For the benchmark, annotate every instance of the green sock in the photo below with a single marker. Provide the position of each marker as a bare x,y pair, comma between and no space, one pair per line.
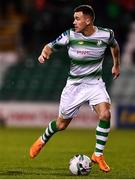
50,130
102,132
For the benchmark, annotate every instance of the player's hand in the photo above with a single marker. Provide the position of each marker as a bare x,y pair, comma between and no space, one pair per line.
115,72
45,55
41,59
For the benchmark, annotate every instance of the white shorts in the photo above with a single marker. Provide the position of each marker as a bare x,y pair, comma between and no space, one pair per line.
74,95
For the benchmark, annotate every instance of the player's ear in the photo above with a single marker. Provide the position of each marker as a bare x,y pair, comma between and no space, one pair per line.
88,20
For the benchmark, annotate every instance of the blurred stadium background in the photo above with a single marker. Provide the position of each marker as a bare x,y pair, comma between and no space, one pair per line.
29,91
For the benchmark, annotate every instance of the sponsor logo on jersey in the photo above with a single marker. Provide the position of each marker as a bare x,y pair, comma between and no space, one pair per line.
80,42
83,52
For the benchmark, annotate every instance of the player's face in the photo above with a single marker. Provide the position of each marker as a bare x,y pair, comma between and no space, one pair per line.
81,22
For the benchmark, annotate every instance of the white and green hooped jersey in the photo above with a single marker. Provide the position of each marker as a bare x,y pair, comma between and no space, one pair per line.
86,53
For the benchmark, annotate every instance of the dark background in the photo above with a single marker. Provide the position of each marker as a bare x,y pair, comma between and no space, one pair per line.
27,25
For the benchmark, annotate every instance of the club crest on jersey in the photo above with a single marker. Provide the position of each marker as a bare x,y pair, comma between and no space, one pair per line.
99,43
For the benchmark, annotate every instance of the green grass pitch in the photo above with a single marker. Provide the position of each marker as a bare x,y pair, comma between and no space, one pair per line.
53,161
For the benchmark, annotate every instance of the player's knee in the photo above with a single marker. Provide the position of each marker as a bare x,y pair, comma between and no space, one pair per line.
105,115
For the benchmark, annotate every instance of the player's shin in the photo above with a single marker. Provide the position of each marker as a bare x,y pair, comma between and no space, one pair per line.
50,130
41,141
102,132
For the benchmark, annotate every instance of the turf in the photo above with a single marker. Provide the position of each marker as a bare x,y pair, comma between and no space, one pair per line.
52,162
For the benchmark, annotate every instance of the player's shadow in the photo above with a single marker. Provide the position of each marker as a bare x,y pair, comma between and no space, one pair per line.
40,171
54,171
11,173
59,172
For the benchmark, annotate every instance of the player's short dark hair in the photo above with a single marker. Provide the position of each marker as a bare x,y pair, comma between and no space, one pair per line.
86,9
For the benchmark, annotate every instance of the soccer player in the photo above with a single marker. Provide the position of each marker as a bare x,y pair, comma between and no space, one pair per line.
86,45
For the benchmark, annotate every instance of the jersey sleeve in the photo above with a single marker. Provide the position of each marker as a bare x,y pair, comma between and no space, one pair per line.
112,41
61,41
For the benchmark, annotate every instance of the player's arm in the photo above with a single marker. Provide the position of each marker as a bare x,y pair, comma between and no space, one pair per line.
48,49
115,51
